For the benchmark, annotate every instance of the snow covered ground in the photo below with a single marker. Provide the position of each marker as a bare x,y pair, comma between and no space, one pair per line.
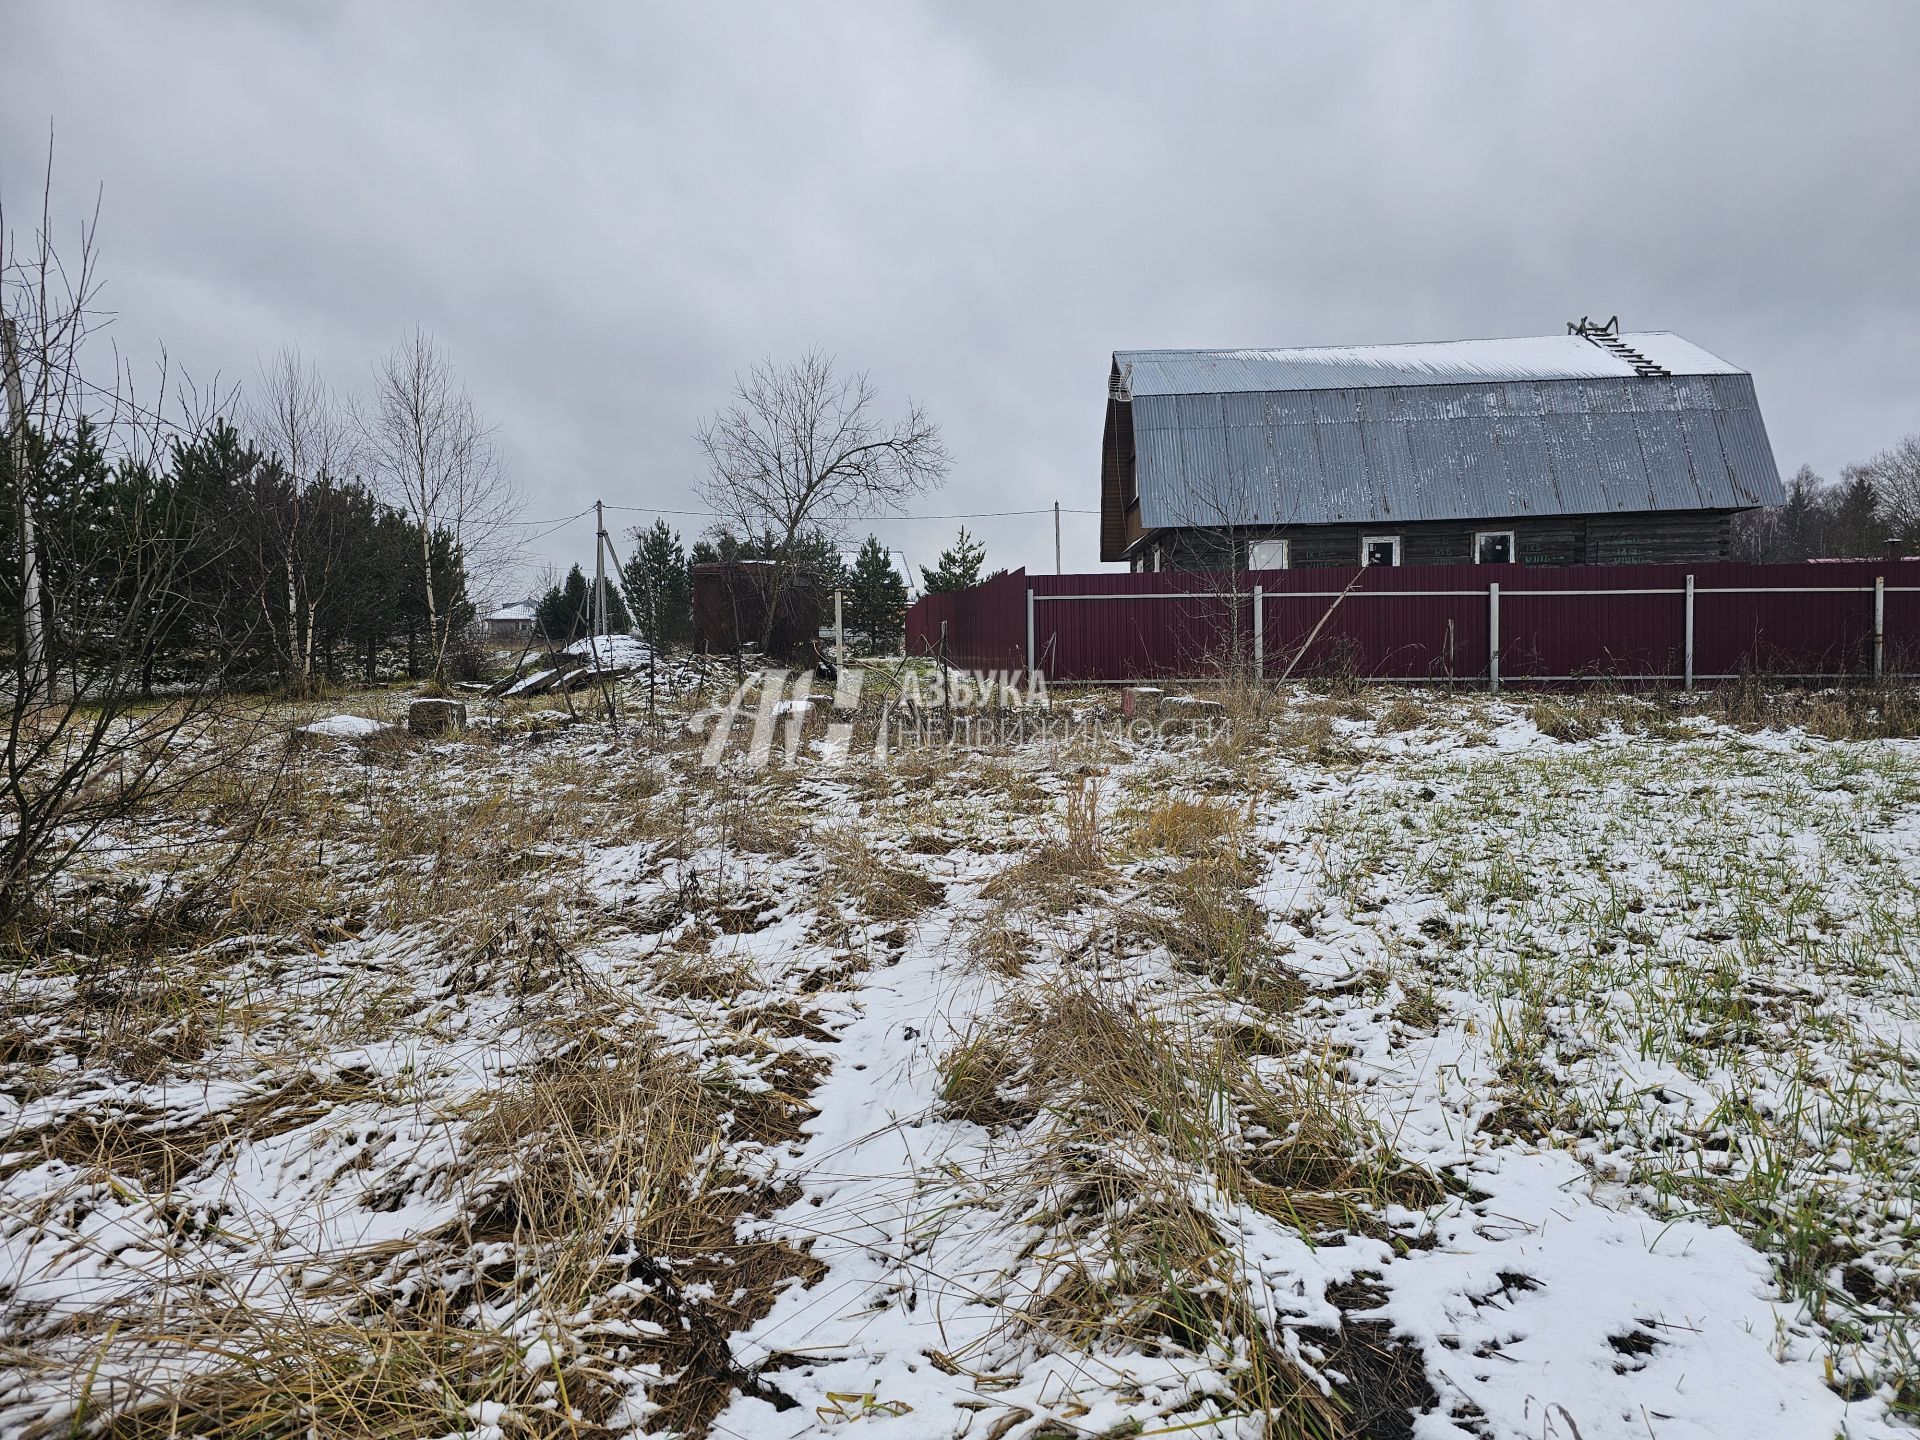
1387,1066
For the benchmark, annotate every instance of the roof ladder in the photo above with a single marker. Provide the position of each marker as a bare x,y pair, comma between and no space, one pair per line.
1607,337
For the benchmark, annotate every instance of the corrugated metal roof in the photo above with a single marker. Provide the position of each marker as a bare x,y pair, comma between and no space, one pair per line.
1399,449
1451,362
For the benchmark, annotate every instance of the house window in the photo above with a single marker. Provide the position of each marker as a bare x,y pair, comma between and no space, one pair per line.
1379,549
1493,547
1267,555
1156,559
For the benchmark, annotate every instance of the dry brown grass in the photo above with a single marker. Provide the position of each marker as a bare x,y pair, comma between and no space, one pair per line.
1002,940
1206,920
1111,1070
1011,786
384,1373
1127,1117
1565,718
1057,872
156,1151
692,974
1175,824
1403,712
1307,733
1887,710
596,1129
1574,715
610,1158
884,891
603,1172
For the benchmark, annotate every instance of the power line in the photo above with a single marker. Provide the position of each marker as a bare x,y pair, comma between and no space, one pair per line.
868,519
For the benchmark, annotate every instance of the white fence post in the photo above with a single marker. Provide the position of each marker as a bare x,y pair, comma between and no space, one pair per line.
1879,626
1493,637
1689,632
1029,637
1259,634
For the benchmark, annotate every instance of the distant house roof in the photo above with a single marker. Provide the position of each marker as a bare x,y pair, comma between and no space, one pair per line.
518,610
1541,425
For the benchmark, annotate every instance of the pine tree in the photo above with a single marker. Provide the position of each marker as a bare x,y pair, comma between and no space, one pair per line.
1855,527
1802,520
657,586
958,567
562,613
565,612
877,598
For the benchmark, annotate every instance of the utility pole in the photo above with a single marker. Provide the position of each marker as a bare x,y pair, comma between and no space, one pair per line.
32,648
1056,537
599,574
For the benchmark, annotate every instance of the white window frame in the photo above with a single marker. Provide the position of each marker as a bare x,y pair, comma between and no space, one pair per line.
1286,554
1157,559
1367,542
1513,547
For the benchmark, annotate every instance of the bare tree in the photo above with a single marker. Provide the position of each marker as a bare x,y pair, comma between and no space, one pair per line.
1895,477
435,460
86,754
802,449
295,420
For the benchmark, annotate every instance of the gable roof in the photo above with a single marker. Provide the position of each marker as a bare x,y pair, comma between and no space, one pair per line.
1443,362
1383,434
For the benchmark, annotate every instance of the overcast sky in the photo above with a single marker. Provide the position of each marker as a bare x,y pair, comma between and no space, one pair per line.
607,211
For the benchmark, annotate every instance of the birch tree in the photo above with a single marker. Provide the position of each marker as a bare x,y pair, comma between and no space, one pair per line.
434,459
295,420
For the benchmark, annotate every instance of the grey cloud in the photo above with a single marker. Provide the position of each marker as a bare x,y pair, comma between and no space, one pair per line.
605,212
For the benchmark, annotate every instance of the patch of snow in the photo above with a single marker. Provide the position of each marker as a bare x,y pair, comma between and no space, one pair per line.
613,652
346,727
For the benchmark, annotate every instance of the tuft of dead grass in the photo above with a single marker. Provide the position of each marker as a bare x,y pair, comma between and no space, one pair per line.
1175,824
386,1373
1402,713
1206,920
1128,1119
610,1164
1056,873
1114,1073
702,975
1308,733
884,891
1002,940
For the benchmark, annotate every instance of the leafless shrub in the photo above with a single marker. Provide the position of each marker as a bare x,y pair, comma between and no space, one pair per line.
88,604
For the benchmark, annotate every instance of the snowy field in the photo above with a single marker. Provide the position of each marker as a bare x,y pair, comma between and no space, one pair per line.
1380,1065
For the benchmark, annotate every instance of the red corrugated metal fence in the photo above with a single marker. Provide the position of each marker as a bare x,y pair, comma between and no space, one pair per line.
1437,622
